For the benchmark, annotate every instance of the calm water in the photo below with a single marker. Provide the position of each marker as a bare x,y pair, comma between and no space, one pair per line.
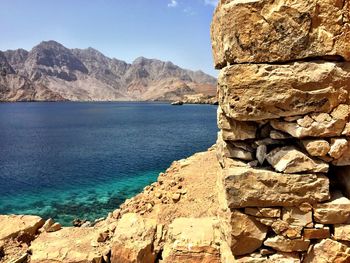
82,160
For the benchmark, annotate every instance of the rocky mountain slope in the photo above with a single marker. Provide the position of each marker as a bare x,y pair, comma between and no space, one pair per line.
52,72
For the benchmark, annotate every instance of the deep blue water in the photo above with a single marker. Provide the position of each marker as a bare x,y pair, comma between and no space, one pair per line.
82,160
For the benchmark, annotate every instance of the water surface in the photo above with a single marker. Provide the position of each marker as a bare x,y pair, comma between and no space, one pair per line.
82,160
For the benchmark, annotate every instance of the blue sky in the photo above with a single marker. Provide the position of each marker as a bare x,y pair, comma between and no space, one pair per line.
175,30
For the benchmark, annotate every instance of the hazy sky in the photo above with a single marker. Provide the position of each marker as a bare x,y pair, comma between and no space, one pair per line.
175,30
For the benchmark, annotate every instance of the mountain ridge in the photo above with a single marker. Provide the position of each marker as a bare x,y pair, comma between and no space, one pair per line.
54,72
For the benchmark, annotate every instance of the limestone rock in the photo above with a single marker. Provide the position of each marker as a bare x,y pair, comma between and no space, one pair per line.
192,240
227,150
278,135
296,217
266,31
288,159
316,233
252,92
287,245
133,240
313,125
261,153
328,251
13,225
285,229
69,245
247,187
233,130
338,147
342,232
344,159
283,257
247,234
263,212
336,211
316,147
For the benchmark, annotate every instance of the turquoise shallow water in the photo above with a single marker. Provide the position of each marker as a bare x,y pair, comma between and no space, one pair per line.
82,160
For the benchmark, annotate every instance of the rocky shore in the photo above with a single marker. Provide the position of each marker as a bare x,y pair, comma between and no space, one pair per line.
274,188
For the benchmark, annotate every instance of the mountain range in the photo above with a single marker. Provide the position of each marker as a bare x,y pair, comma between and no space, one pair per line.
52,72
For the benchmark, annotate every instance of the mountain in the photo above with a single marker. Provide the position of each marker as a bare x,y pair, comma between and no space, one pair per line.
52,72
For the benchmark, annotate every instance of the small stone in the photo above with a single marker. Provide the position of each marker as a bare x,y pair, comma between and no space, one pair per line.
158,195
86,224
346,130
316,147
175,197
282,228
48,223
116,214
338,147
267,251
261,153
316,233
294,216
342,232
102,237
287,245
283,257
54,227
278,135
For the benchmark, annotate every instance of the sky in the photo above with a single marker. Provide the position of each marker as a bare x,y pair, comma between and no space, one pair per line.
170,30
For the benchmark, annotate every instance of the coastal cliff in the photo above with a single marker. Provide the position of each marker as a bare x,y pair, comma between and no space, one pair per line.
274,188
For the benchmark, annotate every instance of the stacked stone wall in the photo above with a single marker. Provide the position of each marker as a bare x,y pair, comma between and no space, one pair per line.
284,140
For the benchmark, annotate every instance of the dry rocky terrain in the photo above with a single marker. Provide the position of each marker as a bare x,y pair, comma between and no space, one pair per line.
52,72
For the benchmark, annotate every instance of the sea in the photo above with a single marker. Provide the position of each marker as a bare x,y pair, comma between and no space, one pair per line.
68,160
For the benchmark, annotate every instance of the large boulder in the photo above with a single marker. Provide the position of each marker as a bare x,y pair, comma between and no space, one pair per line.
68,245
133,240
193,240
328,251
13,225
247,233
251,92
247,187
277,31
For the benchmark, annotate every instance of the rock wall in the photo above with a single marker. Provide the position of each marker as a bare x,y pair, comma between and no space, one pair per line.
283,116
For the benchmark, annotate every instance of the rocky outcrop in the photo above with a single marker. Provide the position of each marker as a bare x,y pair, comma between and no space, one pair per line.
54,72
283,115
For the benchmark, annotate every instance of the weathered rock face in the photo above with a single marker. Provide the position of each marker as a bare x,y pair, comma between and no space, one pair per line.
278,31
250,92
247,233
247,187
284,140
133,240
193,240
328,250
67,245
